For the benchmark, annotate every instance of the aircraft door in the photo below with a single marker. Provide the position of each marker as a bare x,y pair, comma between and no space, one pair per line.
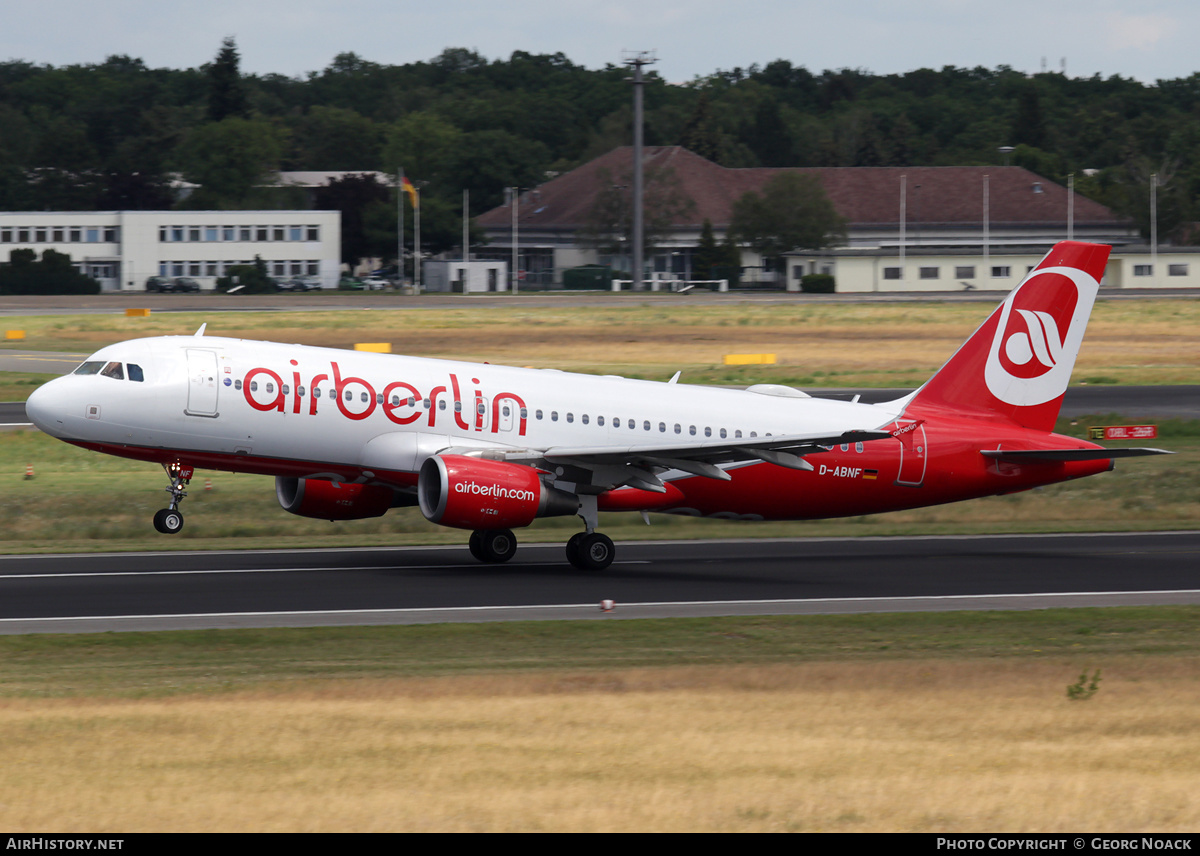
914,448
203,383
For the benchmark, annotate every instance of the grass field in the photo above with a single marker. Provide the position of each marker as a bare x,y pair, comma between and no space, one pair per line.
819,345
947,722
928,723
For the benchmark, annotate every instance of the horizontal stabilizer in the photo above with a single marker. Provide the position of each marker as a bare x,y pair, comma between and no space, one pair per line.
1069,454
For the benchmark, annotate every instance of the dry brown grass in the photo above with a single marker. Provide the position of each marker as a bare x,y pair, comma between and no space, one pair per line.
984,745
869,344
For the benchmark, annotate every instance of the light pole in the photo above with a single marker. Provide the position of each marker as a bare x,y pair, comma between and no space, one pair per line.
637,59
514,195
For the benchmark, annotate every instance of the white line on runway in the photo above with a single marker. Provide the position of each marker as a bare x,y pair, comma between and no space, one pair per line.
627,610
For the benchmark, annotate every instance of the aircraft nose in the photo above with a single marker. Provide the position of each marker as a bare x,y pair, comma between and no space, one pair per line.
46,408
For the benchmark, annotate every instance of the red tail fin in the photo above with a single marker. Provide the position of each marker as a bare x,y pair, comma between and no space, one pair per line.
1018,364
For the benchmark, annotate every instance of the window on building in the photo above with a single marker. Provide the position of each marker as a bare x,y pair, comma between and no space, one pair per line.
1177,270
295,233
93,236
278,232
314,233
964,272
228,233
262,233
39,236
58,235
6,236
110,235
1001,272
1143,270
244,233
210,233
22,236
194,234
930,272
891,273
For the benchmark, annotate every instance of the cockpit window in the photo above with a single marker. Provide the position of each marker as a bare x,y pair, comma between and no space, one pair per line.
114,370
135,372
91,367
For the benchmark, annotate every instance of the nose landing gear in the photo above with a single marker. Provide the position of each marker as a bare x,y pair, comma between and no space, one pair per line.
169,520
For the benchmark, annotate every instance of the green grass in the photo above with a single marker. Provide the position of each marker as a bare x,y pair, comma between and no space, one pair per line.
16,386
136,665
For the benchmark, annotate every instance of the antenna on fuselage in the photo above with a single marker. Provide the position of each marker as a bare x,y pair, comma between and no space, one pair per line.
200,332
675,376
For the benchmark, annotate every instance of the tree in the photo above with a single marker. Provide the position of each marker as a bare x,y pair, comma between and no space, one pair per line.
708,253
700,134
609,224
354,196
336,138
226,92
54,274
791,213
228,159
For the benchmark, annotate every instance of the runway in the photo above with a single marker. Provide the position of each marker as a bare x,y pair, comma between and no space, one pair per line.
417,585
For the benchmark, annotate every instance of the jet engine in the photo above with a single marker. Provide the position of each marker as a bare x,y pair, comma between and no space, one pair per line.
327,500
472,493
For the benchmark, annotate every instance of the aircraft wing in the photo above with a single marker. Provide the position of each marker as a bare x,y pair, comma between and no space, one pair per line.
641,465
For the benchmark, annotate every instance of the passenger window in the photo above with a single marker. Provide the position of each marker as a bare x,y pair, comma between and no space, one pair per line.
135,372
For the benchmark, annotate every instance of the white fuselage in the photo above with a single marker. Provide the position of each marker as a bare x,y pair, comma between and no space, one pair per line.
321,407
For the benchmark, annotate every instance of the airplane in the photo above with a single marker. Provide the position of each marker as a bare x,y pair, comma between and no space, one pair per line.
489,448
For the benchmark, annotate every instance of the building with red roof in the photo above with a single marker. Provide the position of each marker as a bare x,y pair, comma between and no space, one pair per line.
896,212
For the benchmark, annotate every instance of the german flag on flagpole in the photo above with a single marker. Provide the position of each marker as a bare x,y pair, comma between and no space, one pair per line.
407,187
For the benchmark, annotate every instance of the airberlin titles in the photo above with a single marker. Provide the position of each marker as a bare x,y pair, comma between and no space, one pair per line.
401,402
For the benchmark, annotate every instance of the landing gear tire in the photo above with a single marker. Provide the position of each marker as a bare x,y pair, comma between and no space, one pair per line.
591,551
168,521
493,546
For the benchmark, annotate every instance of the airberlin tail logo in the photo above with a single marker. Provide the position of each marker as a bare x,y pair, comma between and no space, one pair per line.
1041,326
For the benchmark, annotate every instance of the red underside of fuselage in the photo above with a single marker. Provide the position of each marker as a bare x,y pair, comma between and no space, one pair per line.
935,465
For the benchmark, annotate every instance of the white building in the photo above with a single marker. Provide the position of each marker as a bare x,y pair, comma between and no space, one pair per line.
883,270
122,249
465,277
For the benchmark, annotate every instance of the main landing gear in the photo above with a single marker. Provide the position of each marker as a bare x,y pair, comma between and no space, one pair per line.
169,520
493,546
588,550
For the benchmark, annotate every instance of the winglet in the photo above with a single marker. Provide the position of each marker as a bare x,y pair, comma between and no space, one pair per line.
200,332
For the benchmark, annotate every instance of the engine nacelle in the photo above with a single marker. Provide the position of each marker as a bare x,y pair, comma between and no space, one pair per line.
327,500
473,493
